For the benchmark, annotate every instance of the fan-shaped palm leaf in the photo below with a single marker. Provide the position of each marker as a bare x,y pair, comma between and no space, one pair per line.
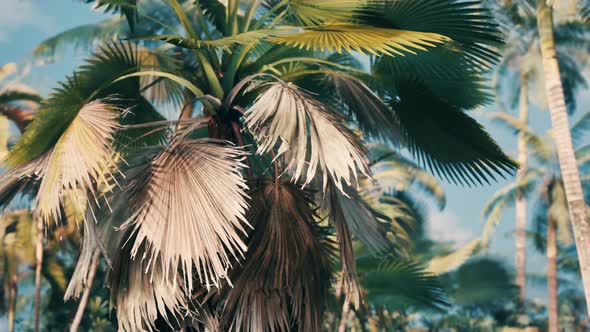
396,284
284,282
374,117
280,115
314,12
360,38
143,293
180,233
128,8
81,157
245,38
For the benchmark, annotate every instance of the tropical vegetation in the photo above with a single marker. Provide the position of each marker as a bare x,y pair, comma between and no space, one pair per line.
270,165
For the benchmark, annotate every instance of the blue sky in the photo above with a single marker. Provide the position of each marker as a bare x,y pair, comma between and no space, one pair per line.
25,23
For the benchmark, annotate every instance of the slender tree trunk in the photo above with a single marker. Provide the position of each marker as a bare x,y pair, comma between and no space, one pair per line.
552,306
13,291
344,317
521,202
38,268
84,299
563,142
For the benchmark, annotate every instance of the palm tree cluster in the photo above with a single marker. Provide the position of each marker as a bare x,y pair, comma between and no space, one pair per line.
245,165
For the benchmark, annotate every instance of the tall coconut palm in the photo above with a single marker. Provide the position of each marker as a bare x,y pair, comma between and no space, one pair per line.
521,70
544,183
567,159
17,103
251,142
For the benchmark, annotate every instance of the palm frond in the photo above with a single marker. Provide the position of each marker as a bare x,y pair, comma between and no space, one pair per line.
280,116
128,8
581,127
374,117
225,43
84,37
143,293
469,25
314,12
349,37
81,157
179,233
6,70
447,263
480,282
365,223
393,171
284,282
397,284
506,197
468,155
11,93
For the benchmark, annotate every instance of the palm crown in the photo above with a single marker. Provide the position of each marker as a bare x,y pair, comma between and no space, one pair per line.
270,103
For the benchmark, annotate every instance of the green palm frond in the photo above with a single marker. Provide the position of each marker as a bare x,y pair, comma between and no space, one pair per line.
506,197
363,222
349,37
284,282
96,79
447,263
374,117
84,37
467,156
481,282
315,12
397,284
581,127
18,93
215,12
467,23
245,38
393,171
128,8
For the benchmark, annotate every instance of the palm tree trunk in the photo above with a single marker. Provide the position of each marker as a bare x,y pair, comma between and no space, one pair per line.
521,202
563,142
13,291
38,267
84,299
552,307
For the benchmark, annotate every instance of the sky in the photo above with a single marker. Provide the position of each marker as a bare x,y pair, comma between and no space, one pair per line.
25,23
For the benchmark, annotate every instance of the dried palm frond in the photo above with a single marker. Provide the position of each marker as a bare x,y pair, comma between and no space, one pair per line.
284,282
145,293
188,210
281,114
349,276
81,158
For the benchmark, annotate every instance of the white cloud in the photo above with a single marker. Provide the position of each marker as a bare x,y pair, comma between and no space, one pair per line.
446,226
15,14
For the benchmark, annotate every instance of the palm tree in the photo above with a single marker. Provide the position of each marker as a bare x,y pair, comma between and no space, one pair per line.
17,103
544,183
174,204
567,159
521,70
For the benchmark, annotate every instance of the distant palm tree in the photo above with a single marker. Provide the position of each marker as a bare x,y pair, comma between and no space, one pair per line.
268,106
567,159
544,183
520,73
